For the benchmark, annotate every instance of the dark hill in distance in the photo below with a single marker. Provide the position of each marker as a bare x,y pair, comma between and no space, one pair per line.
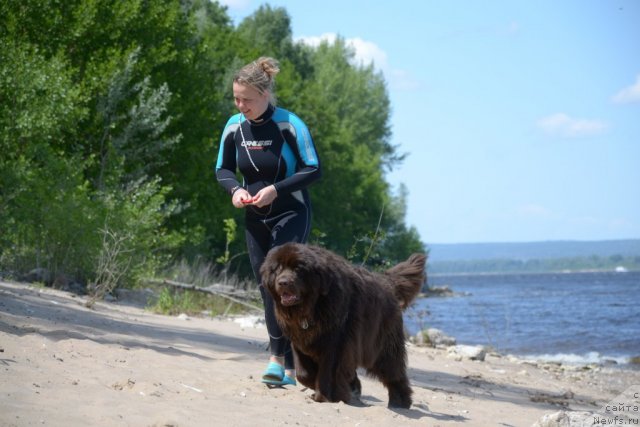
532,250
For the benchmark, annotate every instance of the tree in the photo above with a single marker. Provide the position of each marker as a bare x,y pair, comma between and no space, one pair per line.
110,121
59,87
268,32
43,199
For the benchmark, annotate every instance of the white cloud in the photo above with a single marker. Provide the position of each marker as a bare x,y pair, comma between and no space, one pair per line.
584,221
560,124
366,53
533,210
403,80
316,40
513,28
235,4
628,94
620,224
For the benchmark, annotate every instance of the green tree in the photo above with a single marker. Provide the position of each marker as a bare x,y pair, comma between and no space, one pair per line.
268,32
75,159
44,201
201,85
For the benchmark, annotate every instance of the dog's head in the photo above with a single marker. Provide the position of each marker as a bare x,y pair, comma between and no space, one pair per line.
294,275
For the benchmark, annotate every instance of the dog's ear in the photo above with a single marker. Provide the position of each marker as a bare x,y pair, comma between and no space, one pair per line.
322,276
314,270
324,283
268,272
315,278
325,287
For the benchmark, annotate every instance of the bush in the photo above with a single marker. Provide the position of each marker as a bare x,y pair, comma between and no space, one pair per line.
49,221
178,301
134,243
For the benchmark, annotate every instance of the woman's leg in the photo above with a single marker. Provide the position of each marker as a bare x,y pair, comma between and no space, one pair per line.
263,235
258,237
291,227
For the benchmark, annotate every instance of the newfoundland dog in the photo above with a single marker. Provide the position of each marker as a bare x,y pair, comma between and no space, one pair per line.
340,317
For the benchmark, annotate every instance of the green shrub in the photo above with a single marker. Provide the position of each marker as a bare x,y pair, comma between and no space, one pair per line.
178,301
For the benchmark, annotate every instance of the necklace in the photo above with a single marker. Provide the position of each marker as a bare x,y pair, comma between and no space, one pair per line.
244,143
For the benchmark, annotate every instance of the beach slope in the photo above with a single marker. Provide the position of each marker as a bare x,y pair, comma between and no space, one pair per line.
119,365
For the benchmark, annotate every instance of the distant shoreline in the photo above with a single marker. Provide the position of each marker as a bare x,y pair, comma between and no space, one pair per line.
447,252
535,257
516,273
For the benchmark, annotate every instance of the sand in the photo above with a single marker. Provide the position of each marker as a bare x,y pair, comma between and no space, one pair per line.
62,364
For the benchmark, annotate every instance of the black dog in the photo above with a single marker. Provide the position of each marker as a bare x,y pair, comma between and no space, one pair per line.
340,317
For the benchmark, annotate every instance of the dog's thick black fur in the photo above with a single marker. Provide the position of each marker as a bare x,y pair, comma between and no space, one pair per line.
340,317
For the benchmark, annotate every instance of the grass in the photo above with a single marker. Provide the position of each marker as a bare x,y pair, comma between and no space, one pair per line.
177,301
174,301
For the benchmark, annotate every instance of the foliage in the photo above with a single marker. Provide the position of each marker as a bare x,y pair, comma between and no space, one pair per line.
44,201
174,302
137,214
110,120
113,263
230,227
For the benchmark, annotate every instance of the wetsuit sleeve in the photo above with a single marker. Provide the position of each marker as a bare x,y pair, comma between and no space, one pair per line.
226,164
308,169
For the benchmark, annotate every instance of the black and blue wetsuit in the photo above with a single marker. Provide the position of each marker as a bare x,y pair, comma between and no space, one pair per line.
275,149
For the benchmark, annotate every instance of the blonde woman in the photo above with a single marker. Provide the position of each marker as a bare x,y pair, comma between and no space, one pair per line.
273,150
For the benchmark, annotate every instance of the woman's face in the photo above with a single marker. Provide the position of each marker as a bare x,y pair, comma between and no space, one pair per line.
249,101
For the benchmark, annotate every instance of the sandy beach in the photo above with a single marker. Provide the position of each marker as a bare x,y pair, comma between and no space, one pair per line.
62,364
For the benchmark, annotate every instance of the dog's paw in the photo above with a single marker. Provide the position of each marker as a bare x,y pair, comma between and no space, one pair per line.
319,397
356,388
400,402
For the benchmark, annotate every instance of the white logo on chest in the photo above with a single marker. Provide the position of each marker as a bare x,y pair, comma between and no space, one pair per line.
256,145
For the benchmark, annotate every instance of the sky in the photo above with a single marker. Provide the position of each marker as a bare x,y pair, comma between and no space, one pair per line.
521,119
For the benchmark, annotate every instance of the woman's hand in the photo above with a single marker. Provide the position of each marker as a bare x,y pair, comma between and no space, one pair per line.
241,198
265,197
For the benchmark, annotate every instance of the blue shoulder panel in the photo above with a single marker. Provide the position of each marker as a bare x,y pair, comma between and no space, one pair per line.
231,126
303,138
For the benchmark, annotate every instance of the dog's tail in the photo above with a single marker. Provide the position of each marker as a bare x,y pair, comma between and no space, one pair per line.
408,278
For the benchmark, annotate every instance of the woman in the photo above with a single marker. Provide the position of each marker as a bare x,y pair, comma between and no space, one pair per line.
274,151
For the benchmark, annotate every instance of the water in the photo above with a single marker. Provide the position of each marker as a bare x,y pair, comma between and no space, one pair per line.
573,317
